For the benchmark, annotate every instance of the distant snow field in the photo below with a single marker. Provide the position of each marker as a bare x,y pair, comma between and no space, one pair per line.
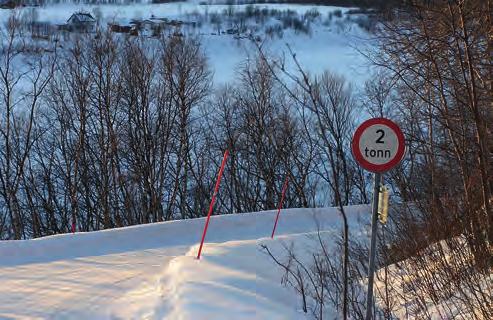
331,43
151,271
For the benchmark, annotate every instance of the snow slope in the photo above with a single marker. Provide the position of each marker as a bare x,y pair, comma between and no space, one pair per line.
333,47
150,271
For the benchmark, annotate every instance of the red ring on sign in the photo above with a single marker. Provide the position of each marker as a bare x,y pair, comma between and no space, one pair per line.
378,168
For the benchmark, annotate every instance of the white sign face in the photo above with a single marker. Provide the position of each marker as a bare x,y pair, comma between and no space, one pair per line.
378,144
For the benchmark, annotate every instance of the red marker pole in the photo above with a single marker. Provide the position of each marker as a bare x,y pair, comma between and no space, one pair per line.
284,188
73,225
216,188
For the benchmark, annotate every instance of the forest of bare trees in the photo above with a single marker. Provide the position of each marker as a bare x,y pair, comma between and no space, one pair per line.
113,132
438,58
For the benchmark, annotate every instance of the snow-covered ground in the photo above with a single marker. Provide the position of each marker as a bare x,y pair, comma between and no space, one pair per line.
59,13
151,271
330,45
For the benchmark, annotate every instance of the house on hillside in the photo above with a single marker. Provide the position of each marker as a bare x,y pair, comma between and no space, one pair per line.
81,22
150,27
116,28
43,30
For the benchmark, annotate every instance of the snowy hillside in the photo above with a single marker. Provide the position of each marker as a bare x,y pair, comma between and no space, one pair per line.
151,271
322,37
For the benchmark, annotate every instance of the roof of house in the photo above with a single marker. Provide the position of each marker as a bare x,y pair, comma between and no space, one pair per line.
81,17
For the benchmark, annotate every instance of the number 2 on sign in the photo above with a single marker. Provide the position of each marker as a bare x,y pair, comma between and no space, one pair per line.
382,134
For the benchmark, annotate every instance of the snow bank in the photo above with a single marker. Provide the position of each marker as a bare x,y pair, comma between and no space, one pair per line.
150,271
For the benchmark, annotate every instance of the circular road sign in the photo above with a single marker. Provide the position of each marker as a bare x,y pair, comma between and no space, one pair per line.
378,145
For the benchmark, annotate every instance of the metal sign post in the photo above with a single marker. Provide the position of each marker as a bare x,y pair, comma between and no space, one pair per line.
373,244
378,146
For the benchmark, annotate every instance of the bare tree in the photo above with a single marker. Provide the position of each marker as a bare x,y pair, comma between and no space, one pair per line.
20,89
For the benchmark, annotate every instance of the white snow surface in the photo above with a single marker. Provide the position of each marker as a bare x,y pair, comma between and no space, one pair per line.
151,271
335,47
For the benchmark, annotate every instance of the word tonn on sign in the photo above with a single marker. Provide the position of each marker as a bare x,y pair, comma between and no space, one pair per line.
377,153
